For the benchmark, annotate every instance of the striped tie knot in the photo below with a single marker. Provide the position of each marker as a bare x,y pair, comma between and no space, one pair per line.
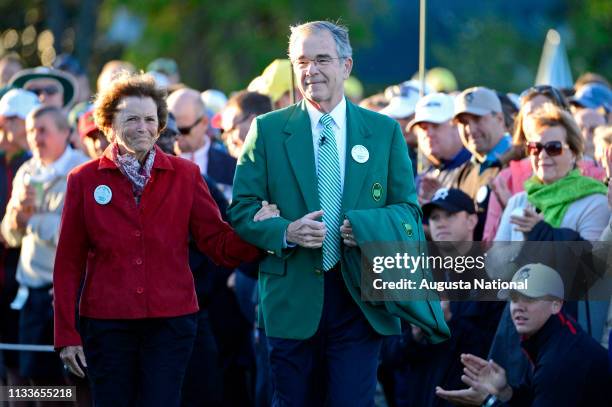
326,121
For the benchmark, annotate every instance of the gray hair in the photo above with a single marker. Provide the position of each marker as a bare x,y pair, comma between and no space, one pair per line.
339,33
59,117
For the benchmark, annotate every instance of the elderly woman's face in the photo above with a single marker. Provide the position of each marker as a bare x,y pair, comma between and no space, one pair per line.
551,157
135,125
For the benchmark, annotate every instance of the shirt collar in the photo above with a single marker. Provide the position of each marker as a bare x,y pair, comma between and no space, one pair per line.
500,148
338,113
61,166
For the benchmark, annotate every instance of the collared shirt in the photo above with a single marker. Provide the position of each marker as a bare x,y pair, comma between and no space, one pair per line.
61,166
492,157
200,156
339,126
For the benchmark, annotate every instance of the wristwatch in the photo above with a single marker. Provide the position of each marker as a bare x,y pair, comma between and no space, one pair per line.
491,401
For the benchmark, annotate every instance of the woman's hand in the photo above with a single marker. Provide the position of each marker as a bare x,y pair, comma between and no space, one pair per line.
526,222
267,211
69,356
501,190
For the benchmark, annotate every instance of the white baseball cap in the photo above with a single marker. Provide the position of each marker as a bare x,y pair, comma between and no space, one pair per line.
18,102
434,108
540,281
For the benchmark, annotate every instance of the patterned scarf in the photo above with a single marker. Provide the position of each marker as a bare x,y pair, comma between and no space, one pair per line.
130,167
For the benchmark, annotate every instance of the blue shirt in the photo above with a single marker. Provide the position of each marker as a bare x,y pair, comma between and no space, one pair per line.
492,158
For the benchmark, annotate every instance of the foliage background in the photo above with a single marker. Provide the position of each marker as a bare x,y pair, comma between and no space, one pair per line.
225,44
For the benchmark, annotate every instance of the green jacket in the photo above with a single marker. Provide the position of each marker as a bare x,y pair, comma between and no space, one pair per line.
277,165
387,232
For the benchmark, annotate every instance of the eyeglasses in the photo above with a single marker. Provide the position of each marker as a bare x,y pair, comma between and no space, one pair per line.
186,130
303,63
47,90
546,90
237,123
552,148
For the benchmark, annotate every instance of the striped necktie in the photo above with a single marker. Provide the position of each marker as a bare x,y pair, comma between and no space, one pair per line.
330,194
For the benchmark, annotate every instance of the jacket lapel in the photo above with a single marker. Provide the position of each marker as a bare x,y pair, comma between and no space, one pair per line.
301,155
357,133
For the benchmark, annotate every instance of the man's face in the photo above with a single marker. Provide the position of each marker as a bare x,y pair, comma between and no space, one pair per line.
320,82
135,124
49,91
46,141
14,130
529,314
95,143
588,120
235,126
438,140
192,124
480,134
451,227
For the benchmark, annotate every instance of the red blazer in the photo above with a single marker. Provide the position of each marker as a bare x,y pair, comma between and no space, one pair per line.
134,259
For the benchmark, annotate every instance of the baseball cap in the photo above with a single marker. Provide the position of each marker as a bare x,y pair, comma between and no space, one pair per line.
87,124
593,96
18,102
478,100
65,79
214,100
167,66
540,281
402,103
451,200
434,108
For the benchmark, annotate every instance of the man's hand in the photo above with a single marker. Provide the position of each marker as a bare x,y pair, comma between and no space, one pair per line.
484,376
346,231
468,397
267,211
427,188
307,231
25,208
69,356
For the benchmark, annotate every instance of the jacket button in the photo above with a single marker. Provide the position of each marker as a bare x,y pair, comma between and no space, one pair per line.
318,271
139,261
137,233
140,290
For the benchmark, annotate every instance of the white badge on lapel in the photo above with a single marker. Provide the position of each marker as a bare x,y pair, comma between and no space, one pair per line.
360,153
103,194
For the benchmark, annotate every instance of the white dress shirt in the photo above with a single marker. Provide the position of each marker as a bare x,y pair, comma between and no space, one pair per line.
200,156
339,128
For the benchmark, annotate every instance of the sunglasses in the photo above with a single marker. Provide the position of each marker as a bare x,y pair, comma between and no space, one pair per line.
186,130
552,148
550,92
47,90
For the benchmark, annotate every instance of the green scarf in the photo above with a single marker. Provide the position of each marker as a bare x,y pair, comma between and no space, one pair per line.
555,199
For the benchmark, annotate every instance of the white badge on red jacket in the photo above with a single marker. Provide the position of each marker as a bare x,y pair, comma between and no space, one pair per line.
360,153
103,194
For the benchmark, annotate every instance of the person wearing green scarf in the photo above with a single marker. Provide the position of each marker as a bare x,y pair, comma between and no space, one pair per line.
558,203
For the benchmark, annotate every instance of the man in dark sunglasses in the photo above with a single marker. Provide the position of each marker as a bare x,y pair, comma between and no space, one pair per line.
194,144
53,87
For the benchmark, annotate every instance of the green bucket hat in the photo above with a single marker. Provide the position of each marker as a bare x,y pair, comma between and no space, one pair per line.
65,79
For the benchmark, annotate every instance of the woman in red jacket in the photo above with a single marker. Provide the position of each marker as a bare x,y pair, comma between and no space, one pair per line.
124,235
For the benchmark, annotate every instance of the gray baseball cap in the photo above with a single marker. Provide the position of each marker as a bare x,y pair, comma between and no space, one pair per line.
539,281
478,101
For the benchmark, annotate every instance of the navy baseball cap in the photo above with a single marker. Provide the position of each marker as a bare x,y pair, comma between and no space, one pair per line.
593,96
451,200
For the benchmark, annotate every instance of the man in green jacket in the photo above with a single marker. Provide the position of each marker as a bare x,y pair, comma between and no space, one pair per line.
316,160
